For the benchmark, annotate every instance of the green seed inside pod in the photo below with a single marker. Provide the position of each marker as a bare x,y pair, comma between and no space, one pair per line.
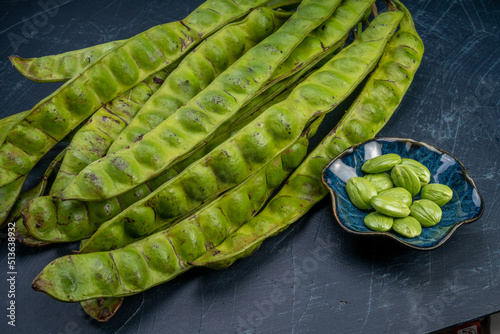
408,227
381,163
426,212
390,206
360,192
422,172
381,181
438,193
399,193
404,176
378,222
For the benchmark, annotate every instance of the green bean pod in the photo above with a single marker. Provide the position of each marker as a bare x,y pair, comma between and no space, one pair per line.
9,193
324,39
22,234
93,139
252,147
7,123
212,57
102,309
114,73
162,256
61,67
109,123
196,121
372,109
53,220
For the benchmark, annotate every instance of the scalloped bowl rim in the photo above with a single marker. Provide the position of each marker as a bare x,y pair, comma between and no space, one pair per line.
392,236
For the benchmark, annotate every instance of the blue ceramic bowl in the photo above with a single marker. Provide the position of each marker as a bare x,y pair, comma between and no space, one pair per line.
466,205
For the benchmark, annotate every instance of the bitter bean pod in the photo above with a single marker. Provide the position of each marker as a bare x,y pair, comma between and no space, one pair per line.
199,69
61,67
162,256
252,147
319,43
196,121
54,220
371,110
114,73
111,121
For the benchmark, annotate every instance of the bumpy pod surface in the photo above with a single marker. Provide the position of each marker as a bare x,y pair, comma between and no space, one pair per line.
53,220
94,138
114,73
113,120
319,43
251,147
63,66
102,309
9,192
199,118
373,107
164,255
212,57
22,234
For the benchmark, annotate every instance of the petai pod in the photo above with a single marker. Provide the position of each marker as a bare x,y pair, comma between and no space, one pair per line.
54,220
196,121
22,234
102,309
319,43
111,121
9,192
374,106
7,123
93,139
198,69
115,72
164,255
60,67
251,147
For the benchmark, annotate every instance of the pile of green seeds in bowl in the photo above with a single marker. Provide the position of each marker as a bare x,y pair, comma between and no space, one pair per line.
389,186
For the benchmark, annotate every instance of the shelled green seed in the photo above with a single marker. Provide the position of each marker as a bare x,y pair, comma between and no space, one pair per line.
399,193
404,176
408,227
382,163
390,206
378,222
381,181
422,172
360,192
438,193
426,212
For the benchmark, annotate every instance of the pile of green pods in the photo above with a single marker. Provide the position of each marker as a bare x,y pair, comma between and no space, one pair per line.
180,137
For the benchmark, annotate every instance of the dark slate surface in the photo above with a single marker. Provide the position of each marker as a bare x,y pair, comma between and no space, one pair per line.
313,277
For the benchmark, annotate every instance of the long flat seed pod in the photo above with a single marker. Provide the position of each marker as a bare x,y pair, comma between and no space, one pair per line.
7,123
22,235
62,221
199,69
372,109
250,148
63,66
163,256
114,73
102,309
330,35
199,118
109,122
